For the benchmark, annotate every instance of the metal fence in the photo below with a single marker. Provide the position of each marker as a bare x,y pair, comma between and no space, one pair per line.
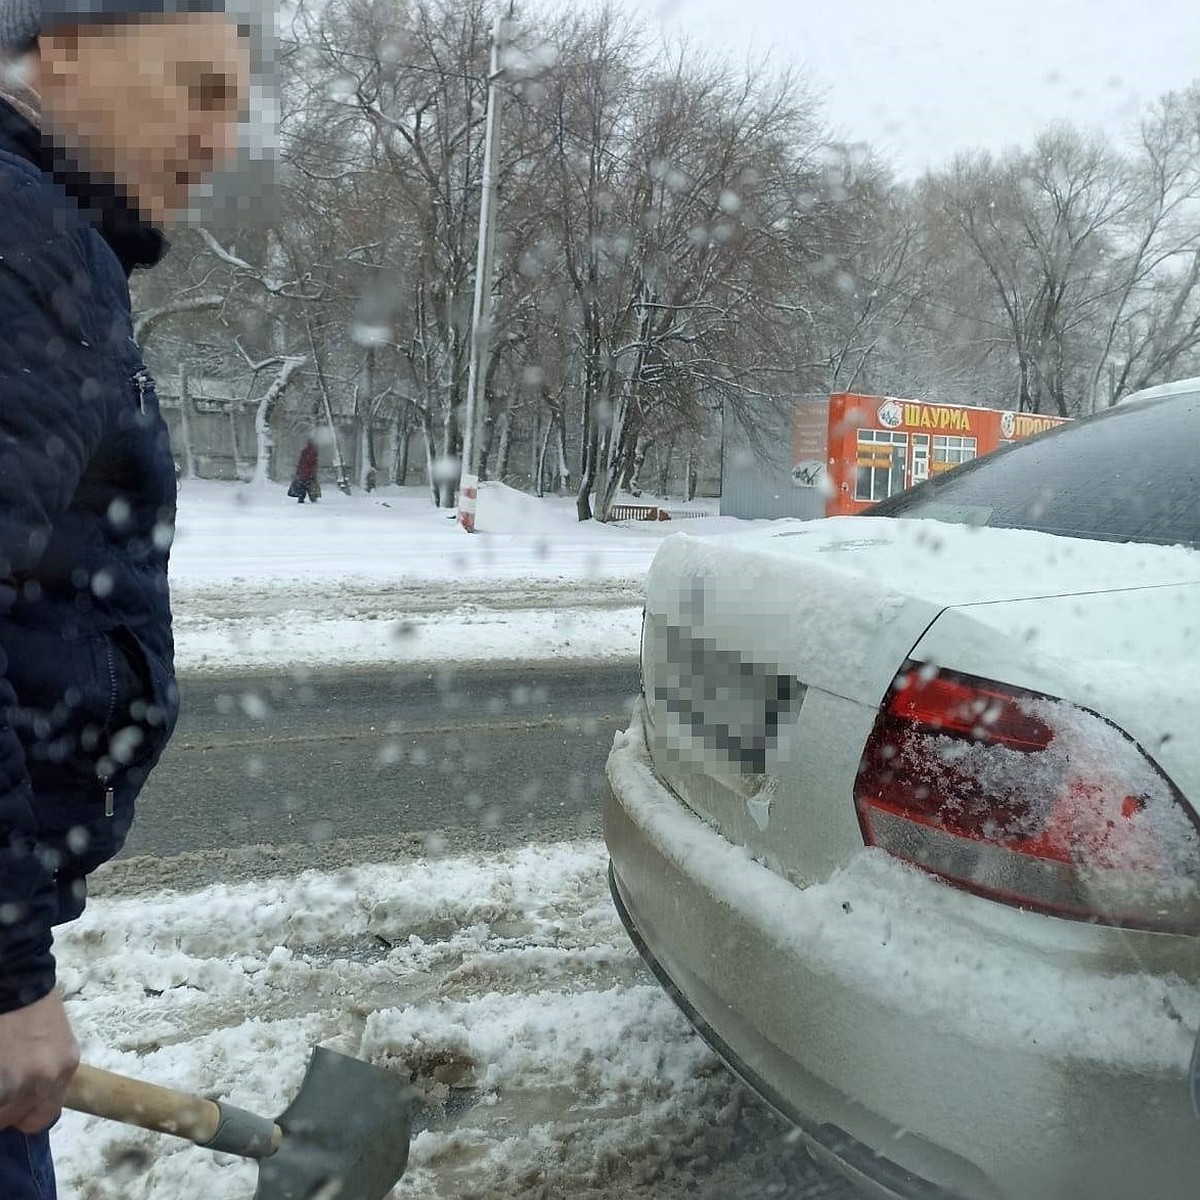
649,512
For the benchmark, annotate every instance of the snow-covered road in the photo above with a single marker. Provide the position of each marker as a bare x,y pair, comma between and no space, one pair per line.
260,583
552,1064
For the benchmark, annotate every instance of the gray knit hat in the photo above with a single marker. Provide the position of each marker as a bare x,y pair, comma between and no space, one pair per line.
22,20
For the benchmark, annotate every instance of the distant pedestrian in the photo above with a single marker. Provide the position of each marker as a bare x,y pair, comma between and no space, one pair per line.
306,485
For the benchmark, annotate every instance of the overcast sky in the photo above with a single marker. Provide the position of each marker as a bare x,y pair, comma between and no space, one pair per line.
923,79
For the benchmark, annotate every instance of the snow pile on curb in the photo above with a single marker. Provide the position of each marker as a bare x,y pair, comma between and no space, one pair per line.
299,638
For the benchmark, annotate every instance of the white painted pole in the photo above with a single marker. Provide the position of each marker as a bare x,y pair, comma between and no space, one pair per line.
481,313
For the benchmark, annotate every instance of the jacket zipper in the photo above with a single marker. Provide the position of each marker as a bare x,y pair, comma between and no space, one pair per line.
141,381
105,780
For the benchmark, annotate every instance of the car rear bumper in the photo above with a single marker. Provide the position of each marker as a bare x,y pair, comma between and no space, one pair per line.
875,1175
911,1107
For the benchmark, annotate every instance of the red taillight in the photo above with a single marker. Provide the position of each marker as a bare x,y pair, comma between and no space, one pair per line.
950,704
1028,800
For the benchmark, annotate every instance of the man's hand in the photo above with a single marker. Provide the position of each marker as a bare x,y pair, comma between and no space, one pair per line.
38,1057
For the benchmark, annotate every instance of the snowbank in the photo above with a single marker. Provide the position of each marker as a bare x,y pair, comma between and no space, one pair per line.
303,637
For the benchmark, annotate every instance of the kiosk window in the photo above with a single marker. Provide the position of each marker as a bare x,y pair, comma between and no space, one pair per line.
881,457
950,451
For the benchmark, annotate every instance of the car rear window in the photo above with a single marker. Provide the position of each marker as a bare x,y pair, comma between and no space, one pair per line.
1131,474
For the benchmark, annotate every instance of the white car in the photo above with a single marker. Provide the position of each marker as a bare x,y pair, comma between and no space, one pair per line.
907,819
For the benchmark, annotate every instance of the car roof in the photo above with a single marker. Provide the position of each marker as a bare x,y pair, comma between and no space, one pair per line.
1181,387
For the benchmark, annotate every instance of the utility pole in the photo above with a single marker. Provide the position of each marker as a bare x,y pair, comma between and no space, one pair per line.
482,310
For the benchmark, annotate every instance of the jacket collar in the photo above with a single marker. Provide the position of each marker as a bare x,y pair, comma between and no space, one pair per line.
135,242
16,90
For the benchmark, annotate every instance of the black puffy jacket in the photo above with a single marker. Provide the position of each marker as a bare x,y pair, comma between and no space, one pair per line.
87,512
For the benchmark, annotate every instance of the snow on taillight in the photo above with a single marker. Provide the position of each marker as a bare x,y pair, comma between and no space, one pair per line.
1029,800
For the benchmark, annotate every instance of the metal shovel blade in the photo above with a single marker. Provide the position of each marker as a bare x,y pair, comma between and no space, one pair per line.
345,1135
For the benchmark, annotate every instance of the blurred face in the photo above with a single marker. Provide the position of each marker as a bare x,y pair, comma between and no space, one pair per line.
153,103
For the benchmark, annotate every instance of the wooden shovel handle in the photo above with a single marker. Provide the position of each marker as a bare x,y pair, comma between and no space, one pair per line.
146,1105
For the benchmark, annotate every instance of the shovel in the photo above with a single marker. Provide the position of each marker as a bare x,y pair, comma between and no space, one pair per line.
344,1137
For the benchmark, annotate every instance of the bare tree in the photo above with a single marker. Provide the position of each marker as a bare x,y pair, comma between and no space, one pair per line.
671,194
1093,255
401,89
1152,318
1043,224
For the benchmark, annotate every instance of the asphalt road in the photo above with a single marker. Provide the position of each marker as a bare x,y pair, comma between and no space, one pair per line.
307,759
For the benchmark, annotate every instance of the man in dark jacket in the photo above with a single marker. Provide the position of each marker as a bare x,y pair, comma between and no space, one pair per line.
110,110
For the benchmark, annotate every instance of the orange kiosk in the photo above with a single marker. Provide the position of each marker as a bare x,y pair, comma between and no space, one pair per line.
877,446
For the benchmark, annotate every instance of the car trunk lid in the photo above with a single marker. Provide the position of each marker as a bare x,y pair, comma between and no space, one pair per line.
766,655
